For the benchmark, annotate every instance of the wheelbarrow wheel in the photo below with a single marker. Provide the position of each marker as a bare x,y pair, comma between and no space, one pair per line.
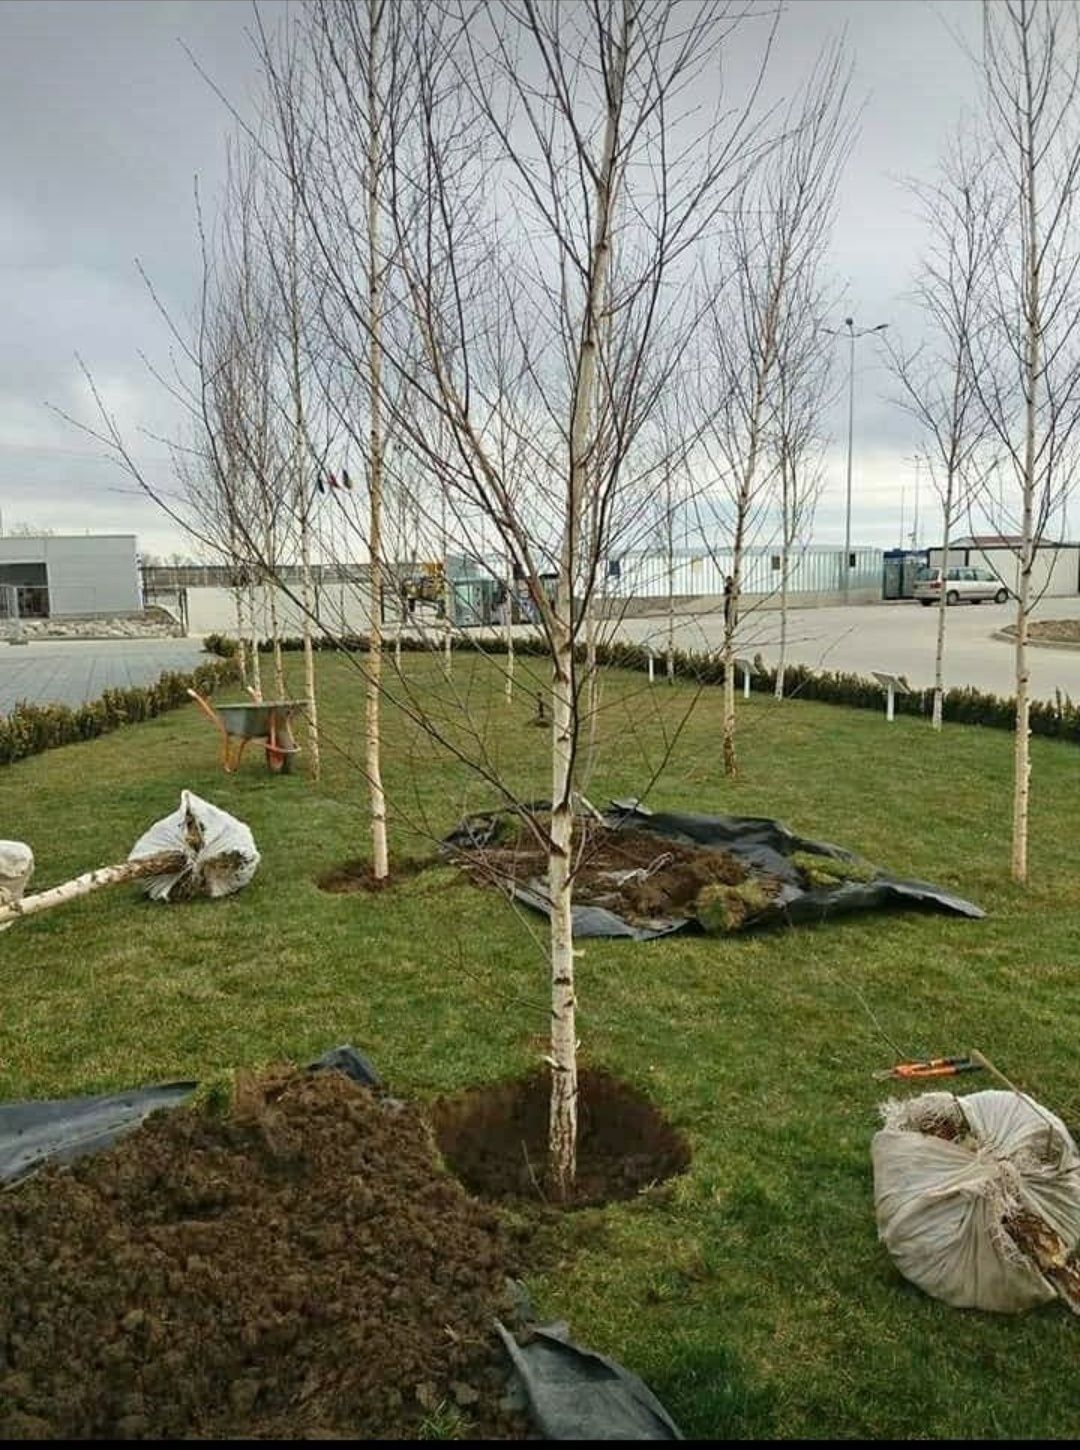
278,761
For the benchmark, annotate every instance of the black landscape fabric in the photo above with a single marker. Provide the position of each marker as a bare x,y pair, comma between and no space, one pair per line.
63,1129
764,845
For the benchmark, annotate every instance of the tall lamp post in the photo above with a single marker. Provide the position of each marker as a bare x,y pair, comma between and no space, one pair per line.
853,332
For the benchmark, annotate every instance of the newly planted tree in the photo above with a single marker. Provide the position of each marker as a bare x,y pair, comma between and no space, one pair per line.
776,234
1026,346
570,111
936,381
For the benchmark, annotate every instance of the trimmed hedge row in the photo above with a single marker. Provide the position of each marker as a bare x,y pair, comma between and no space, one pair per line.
1058,718
31,729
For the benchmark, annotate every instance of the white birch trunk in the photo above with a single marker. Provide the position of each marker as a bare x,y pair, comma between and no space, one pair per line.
781,664
241,642
510,637
730,763
256,667
670,653
275,635
786,532
372,734
302,505
1032,320
592,694
163,865
939,653
562,1139
562,1142
312,704
1022,743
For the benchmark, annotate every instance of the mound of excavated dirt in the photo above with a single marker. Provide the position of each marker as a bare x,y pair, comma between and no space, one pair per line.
357,875
634,873
302,1267
495,1139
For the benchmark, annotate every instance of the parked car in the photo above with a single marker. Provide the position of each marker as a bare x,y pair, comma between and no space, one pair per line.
961,582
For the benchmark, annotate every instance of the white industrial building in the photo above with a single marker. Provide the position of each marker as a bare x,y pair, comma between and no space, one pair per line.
63,576
1055,573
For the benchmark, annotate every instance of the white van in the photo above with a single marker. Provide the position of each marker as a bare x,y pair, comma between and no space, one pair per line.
961,582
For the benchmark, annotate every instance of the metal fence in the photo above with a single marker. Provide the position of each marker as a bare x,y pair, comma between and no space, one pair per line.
815,570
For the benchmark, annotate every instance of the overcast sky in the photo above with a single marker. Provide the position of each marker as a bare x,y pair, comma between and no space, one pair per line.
105,124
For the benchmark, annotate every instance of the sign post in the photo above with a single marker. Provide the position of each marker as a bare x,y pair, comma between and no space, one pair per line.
893,685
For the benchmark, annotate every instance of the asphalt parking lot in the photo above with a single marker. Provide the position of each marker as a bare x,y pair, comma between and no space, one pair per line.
899,637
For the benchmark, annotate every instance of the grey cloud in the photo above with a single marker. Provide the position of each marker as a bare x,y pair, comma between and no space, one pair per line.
105,122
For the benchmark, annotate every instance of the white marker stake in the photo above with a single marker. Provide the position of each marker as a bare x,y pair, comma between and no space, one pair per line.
746,684
650,669
890,700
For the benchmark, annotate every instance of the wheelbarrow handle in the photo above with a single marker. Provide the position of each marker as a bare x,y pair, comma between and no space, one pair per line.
216,720
205,706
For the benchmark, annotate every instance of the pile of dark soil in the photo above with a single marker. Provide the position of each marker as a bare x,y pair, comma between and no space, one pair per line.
495,1139
636,874
301,1267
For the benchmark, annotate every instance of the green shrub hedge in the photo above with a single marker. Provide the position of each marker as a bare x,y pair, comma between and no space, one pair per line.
1058,718
221,645
30,729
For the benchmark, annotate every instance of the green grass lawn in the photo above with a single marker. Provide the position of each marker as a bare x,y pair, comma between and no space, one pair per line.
752,1294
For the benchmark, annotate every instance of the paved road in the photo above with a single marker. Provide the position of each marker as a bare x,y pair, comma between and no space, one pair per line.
899,637
69,672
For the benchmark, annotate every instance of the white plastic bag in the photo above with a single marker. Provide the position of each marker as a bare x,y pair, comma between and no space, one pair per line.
941,1201
220,851
16,869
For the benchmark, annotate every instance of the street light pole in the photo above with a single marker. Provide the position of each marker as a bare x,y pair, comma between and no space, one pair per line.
850,441
852,333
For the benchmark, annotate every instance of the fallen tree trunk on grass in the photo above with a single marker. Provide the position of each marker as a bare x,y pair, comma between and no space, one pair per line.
196,851
91,881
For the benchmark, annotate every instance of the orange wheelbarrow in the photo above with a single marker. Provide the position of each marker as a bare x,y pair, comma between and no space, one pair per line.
266,720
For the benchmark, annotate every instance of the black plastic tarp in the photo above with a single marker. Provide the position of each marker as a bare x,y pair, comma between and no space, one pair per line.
63,1129
59,1130
765,845
577,1394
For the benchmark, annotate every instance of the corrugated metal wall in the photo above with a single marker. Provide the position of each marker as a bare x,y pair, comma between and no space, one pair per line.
812,571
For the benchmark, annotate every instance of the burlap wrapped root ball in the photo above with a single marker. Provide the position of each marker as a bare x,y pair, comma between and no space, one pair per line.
951,1172
215,852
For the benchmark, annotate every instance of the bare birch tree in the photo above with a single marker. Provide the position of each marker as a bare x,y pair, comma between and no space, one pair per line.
1027,346
333,155
936,381
561,105
776,234
803,388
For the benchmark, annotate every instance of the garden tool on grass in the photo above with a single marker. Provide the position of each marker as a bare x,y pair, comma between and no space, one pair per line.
933,1067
